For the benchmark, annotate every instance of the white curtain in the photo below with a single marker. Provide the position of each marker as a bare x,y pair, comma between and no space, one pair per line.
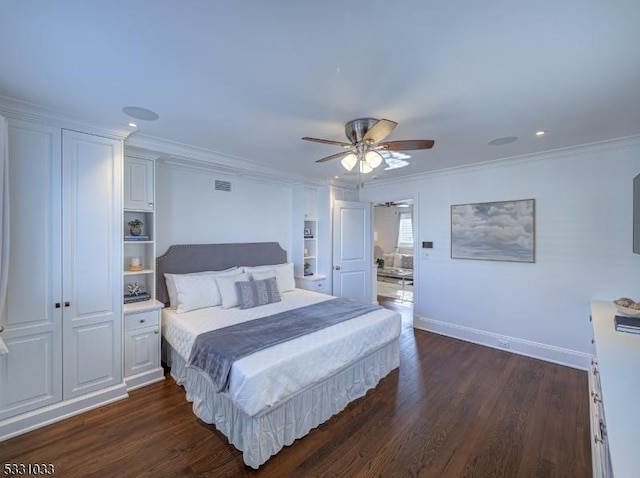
4,223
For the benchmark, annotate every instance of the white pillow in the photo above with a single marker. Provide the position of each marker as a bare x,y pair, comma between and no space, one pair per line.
196,292
397,260
283,272
264,274
171,287
227,287
388,259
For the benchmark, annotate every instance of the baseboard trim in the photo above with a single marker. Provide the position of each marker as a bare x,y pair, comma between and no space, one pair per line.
549,353
44,416
145,378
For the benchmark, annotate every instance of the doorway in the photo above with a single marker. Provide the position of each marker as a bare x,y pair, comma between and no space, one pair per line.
393,251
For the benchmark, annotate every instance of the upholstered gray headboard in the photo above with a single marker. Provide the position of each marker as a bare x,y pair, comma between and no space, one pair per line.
185,258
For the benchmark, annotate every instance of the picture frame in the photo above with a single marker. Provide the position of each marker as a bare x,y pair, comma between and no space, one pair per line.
494,231
307,233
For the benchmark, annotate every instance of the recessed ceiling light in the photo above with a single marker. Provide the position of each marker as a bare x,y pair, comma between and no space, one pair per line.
540,132
140,113
133,125
502,141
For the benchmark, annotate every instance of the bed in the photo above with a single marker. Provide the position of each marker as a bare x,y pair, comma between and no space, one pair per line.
280,393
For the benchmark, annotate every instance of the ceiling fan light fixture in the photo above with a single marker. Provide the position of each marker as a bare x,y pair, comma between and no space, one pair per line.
349,161
373,158
365,168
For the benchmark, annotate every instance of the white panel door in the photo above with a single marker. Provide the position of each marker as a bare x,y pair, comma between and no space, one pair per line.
92,266
31,374
352,250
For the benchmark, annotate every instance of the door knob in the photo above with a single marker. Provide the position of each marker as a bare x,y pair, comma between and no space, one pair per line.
336,268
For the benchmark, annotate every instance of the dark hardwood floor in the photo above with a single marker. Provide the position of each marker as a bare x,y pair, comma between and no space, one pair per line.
453,409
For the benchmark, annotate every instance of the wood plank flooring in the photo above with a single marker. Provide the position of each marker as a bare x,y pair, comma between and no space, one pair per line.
453,409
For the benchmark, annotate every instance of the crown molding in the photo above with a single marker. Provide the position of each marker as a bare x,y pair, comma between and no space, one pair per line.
25,111
616,144
217,170
184,156
139,153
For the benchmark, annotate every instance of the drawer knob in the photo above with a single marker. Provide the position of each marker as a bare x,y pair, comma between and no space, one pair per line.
155,332
142,321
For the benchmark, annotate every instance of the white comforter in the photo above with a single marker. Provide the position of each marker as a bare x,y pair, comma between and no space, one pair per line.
262,380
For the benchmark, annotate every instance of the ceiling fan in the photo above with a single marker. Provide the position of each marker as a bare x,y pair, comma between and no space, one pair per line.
366,147
391,203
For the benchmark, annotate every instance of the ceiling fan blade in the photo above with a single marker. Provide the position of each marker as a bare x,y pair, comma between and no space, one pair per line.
328,141
379,131
408,145
333,156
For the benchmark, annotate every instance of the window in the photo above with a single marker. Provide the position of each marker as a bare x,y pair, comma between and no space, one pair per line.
405,230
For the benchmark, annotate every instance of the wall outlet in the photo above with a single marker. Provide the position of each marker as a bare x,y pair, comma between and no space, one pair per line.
504,343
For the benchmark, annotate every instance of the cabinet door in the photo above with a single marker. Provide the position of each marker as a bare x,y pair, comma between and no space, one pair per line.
31,374
310,203
138,184
91,258
142,350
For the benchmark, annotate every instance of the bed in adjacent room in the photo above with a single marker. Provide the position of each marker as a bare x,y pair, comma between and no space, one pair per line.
276,392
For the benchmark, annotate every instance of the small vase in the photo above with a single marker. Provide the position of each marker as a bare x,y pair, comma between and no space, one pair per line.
135,230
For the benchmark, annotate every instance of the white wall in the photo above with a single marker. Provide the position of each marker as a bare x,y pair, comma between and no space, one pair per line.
190,211
583,250
385,223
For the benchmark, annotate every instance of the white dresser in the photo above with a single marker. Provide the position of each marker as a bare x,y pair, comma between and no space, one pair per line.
614,394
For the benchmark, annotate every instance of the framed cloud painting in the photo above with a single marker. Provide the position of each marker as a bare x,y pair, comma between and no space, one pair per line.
494,231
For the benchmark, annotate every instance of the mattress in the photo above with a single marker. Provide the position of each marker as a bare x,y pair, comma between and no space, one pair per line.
263,380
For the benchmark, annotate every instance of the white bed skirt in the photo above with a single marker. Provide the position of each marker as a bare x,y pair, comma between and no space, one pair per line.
261,436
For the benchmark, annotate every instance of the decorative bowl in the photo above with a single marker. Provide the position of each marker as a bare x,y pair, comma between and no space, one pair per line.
627,311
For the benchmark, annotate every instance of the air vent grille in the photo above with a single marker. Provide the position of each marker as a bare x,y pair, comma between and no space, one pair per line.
222,186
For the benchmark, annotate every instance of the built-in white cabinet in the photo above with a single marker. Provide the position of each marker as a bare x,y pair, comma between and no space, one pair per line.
306,240
63,321
142,342
614,386
310,251
316,283
141,310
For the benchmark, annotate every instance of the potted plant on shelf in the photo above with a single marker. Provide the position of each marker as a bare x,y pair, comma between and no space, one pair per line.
307,268
135,227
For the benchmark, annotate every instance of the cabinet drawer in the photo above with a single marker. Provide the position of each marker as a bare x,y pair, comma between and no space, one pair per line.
141,319
318,285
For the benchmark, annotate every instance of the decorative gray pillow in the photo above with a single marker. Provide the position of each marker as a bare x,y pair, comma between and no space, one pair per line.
254,293
407,261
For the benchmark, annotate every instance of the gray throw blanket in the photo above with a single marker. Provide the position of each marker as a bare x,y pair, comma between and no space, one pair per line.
214,352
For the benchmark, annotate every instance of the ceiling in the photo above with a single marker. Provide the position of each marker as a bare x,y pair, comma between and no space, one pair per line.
247,79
